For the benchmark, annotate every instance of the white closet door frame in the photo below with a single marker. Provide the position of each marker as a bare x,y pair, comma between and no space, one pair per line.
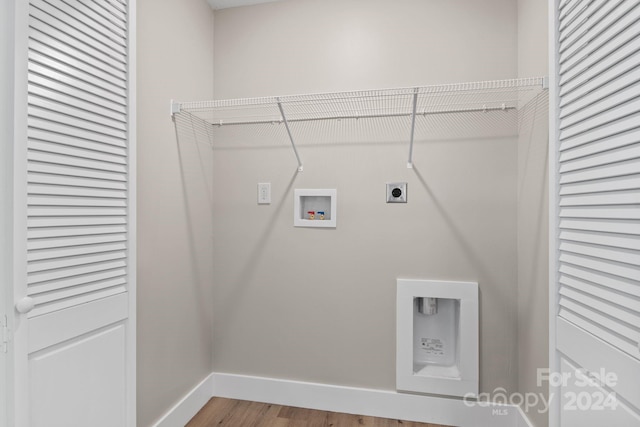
133,215
18,399
6,178
554,365
20,343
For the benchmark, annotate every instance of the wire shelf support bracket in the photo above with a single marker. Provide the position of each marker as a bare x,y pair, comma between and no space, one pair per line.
413,128
293,143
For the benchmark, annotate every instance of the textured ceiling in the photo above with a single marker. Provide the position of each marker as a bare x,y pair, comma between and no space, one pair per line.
224,4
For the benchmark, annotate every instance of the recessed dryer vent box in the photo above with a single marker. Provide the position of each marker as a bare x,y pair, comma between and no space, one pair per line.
437,337
315,208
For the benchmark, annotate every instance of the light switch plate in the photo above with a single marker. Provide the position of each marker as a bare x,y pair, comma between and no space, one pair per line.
396,192
264,193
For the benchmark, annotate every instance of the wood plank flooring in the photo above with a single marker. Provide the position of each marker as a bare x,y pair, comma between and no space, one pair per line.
240,413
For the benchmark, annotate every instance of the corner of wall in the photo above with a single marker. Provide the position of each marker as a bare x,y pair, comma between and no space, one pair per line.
175,314
533,324
213,53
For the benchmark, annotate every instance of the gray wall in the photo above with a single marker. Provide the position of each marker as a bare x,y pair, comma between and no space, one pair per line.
319,305
533,208
304,46
175,60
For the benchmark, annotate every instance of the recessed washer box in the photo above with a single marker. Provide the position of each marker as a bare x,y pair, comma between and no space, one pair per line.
315,207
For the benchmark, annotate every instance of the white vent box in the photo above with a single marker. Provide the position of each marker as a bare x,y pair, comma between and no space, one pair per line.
315,208
437,337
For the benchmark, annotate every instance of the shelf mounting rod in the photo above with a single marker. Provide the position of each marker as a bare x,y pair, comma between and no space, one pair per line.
293,144
413,128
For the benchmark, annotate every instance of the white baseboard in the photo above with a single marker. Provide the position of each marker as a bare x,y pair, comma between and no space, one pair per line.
361,401
189,405
350,400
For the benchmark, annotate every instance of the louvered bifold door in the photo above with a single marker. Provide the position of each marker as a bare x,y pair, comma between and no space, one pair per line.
78,270
597,177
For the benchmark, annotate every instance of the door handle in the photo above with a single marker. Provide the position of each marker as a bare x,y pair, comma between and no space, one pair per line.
25,305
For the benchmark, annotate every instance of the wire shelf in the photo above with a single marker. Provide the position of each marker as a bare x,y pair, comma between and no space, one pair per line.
420,110
448,98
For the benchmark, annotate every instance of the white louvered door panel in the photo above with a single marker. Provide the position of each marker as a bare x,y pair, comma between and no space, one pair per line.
596,242
78,273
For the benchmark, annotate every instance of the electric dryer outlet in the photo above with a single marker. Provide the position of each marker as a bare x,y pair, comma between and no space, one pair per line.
396,192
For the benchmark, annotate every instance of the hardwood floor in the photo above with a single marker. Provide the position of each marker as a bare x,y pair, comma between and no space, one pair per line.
240,413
